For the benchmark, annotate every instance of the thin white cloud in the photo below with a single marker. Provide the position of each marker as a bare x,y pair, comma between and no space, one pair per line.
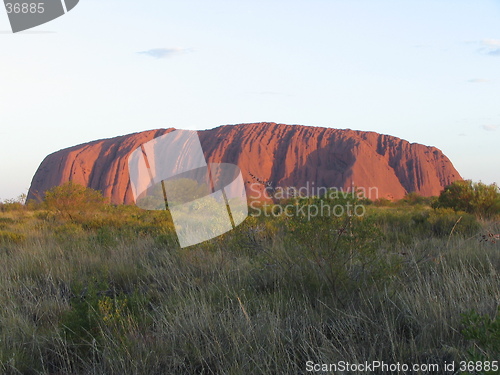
490,47
490,128
478,80
164,53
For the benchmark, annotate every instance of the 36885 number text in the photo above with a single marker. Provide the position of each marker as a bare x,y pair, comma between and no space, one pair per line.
24,8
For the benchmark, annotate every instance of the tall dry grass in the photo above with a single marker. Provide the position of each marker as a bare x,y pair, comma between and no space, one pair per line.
105,295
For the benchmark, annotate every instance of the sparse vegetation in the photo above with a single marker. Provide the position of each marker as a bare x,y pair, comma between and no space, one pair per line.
105,289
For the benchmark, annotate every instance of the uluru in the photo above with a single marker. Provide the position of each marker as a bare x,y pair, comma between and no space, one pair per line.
277,154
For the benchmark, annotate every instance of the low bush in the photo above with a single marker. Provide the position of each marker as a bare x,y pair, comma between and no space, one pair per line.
484,332
71,200
475,198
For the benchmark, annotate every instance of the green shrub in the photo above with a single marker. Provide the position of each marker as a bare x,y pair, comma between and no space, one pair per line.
472,197
444,222
406,225
70,200
80,324
484,331
98,310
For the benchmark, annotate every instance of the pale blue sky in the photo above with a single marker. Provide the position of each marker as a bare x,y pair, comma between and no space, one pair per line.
424,71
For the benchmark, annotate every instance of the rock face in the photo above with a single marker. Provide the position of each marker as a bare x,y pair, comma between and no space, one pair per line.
282,155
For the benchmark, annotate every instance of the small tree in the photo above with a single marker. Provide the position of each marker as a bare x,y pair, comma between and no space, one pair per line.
476,198
71,199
